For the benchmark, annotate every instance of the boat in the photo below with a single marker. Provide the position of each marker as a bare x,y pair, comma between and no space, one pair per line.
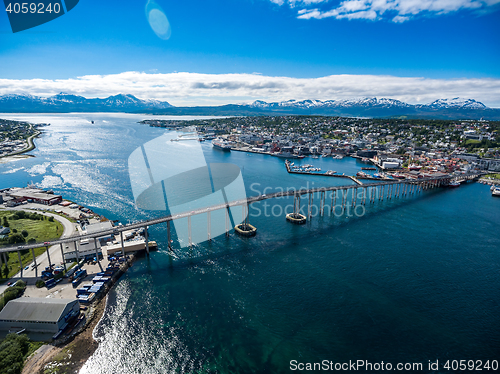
398,176
454,184
330,172
492,187
362,174
369,168
496,192
315,156
324,155
221,144
284,155
365,159
338,157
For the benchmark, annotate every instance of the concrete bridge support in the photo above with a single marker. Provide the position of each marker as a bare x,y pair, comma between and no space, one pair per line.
34,262
63,259
209,226
48,256
20,262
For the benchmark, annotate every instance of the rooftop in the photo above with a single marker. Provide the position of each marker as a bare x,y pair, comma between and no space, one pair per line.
35,309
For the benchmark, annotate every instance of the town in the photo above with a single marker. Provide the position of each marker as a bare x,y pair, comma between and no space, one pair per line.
427,145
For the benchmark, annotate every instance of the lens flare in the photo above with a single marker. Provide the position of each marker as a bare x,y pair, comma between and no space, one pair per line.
158,20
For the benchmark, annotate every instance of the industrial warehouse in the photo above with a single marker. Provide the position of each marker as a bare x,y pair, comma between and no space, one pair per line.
15,196
38,314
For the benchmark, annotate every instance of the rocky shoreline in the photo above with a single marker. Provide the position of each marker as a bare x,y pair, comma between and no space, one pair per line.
69,355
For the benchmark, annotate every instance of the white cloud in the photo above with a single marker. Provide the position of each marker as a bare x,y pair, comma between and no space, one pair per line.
191,89
396,10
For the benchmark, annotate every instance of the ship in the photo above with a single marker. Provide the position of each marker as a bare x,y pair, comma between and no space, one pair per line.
496,192
221,144
454,184
285,155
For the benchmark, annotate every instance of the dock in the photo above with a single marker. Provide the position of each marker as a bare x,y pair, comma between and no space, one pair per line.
353,178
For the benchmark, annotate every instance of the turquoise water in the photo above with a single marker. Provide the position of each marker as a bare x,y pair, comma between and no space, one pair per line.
410,280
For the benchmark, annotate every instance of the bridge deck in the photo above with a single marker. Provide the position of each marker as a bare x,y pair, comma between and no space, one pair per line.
249,200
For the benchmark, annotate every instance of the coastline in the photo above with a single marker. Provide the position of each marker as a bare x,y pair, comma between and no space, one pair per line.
70,355
79,349
29,147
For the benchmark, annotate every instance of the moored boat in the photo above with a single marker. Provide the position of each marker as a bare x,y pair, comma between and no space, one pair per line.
284,155
496,192
221,144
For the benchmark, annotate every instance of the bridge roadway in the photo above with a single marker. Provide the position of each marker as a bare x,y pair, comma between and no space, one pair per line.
249,200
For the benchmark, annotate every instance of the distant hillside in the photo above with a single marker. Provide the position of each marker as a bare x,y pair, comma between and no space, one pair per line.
71,103
365,107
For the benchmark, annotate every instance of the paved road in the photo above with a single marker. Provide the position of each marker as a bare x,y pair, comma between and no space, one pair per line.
54,251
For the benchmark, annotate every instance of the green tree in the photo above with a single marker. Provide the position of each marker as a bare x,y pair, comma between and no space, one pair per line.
20,214
24,233
5,222
16,238
12,351
6,271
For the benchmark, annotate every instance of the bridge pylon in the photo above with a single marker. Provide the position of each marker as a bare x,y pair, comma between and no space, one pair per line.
296,217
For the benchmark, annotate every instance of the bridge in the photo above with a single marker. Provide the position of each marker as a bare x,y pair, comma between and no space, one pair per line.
360,195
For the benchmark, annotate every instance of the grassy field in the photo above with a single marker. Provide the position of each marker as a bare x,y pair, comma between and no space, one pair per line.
40,230
493,176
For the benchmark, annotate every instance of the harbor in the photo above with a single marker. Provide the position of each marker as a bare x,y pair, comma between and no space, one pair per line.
84,270
260,300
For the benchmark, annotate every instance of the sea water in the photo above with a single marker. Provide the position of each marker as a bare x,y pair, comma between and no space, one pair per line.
408,280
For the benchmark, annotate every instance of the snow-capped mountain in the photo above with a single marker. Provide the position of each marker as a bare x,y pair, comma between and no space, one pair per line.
456,103
304,104
455,108
64,102
380,107
366,102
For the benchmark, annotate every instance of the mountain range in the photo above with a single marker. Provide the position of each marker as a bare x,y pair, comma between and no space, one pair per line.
456,108
64,103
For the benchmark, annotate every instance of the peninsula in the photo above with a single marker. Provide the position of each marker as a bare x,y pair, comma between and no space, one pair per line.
16,137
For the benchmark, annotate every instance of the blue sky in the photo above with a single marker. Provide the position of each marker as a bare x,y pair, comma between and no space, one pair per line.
244,50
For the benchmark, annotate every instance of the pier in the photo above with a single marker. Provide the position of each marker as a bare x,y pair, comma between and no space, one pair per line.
351,177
